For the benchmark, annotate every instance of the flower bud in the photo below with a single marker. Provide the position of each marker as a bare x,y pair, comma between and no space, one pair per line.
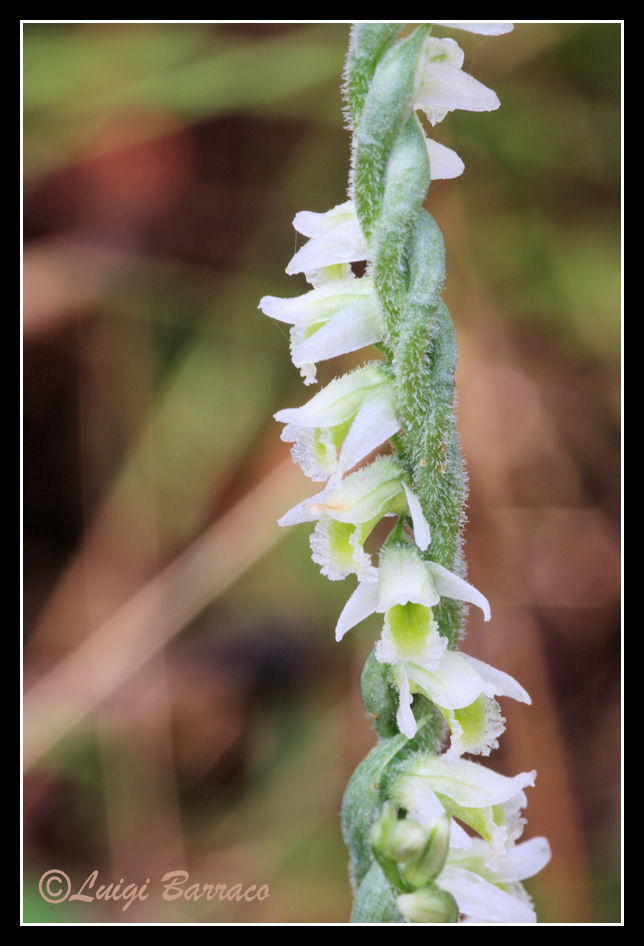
429,905
428,862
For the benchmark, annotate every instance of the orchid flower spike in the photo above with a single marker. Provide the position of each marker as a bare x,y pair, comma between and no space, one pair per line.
355,411
346,516
340,316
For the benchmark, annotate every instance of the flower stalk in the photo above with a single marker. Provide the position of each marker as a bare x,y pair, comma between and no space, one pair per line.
432,836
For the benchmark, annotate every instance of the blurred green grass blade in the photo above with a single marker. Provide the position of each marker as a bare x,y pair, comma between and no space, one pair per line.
74,82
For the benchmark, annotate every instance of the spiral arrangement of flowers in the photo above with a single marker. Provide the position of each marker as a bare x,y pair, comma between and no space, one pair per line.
432,836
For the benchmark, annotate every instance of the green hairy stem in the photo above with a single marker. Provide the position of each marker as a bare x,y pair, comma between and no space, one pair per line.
391,179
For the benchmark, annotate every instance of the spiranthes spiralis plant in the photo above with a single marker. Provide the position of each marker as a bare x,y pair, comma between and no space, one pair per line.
432,836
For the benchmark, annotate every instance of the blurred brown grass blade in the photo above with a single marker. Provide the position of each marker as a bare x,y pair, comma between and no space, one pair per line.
157,612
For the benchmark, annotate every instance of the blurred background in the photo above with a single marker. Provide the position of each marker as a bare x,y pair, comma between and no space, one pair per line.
186,705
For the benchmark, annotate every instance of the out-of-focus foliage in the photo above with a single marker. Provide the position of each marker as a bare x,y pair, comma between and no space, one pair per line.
163,165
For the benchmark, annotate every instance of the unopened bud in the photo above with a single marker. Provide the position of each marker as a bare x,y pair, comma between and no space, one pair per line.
429,905
394,839
427,864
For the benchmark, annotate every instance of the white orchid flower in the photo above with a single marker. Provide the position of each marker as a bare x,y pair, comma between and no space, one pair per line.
406,591
354,413
335,240
487,802
338,317
482,895
461,686
463,689
346,516
487,888
442,85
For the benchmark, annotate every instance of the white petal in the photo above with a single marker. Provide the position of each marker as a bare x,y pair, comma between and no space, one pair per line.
317,305
292,311
420,801
452,685
444,88
485,29
302,512
522,860
360,605
312,224
403,577
443,162
375,422
481,901
362,495
422,534
459,839
470,785
335,403
343,244
404,717
449,585
354,326
503,683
